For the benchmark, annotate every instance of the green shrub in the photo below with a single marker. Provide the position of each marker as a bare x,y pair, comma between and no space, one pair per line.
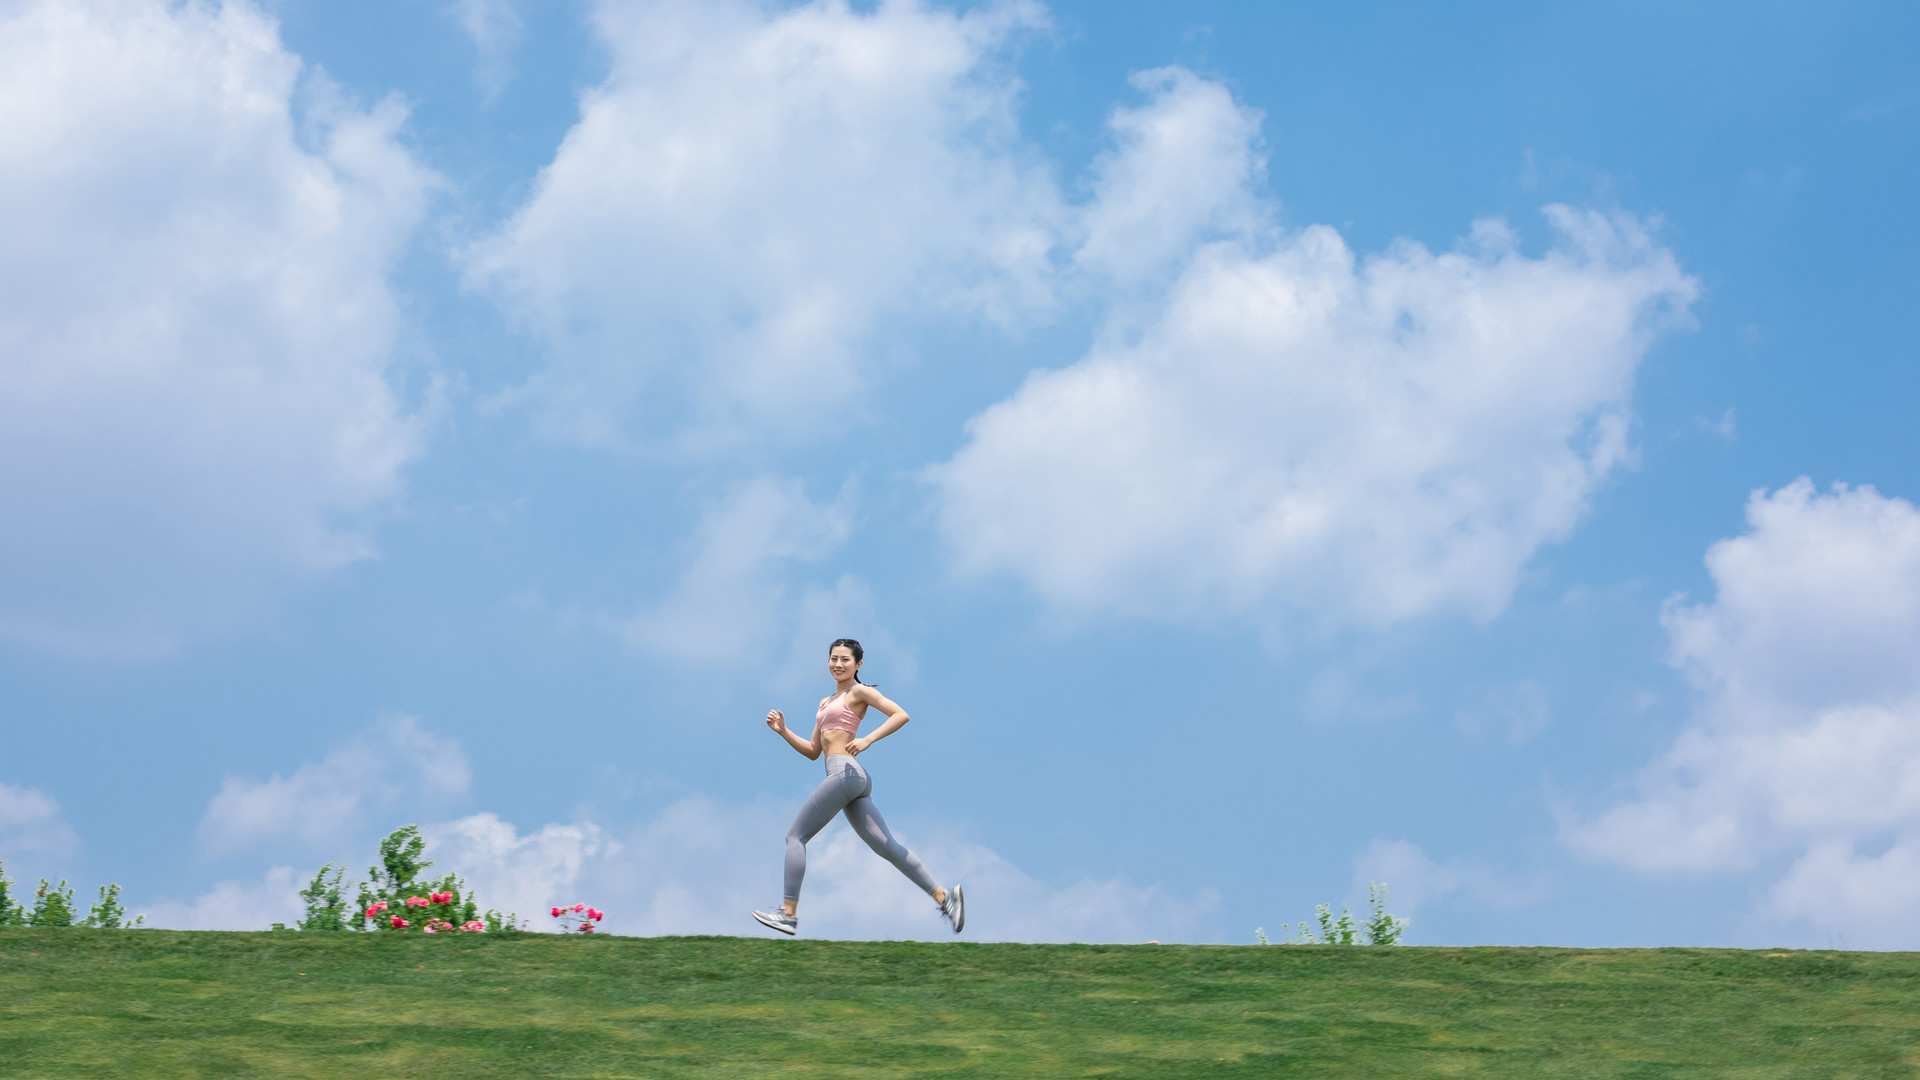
107,912
11,912
397,895
52,905
1380,928
325,898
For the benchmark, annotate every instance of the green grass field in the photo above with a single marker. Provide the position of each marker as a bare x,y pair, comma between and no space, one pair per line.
151,1003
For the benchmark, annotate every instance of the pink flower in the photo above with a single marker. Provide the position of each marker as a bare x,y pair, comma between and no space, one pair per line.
430,928
417,901
556,913
579,907
595,915
475,927
378,907
399,923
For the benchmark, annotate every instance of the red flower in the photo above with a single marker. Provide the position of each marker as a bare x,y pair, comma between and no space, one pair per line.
556,913
399,923
595,915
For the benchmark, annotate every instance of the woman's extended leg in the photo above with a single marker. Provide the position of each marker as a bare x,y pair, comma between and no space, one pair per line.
866,820
828,799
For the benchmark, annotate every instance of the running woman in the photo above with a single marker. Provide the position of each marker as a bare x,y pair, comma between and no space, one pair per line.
847,788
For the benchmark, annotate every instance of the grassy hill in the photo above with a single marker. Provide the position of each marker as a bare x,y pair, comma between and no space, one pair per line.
151,1003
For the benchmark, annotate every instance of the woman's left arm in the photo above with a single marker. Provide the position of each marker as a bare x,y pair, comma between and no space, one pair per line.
896,717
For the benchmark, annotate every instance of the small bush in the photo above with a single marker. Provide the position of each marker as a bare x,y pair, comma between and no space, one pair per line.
1380,928
326,901
107,912
12,913
52,905
397,895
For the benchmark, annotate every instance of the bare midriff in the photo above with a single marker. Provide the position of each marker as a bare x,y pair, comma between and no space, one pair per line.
835,741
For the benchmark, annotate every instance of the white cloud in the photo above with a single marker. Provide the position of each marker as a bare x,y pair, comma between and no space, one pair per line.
30,821
326,803
495,27
1414,880
516,874
234,905
752,191
1185,168
733,597
701,865
195,327
1291,429
846,610
1805,743
1369,443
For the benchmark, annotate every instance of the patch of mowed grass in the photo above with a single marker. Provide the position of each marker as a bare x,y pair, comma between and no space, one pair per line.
150,1003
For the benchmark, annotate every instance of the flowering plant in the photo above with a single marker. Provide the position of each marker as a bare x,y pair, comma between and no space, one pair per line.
391,897
578,919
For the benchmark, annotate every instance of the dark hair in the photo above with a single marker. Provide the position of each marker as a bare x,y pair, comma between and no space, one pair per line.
853,647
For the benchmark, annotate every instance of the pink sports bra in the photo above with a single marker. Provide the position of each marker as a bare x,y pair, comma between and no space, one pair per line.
837,718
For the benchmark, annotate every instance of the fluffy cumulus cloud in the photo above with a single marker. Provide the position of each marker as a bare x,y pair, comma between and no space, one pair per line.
701,865
1414,880
195,325
1289,426
524,875
1803,759
1183,168
739,601
749,195
325,804
30,822
495,28
1269,424
732,596
239,904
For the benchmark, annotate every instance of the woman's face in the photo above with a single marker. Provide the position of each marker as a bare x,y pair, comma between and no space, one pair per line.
841,664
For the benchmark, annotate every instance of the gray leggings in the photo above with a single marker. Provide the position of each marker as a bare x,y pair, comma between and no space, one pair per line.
847,787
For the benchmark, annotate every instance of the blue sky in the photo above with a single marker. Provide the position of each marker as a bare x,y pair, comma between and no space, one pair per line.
1266,447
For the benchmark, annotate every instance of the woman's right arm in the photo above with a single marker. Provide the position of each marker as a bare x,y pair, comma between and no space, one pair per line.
807,748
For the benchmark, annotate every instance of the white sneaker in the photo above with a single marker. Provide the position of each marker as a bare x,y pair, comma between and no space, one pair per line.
955,909
778,919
